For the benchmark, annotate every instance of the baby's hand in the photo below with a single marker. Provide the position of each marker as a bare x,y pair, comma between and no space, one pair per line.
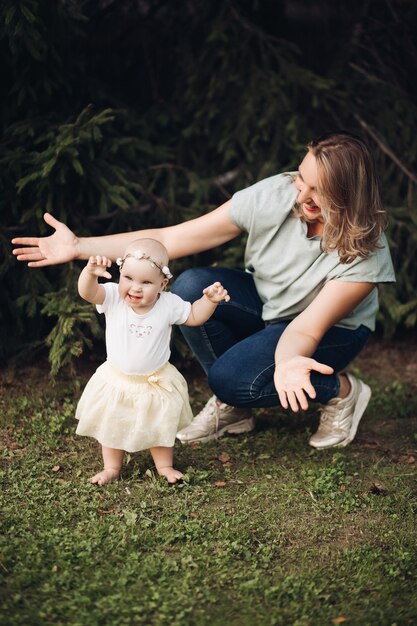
97,266
216,293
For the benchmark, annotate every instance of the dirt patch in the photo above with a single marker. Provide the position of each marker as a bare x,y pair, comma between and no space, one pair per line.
387,361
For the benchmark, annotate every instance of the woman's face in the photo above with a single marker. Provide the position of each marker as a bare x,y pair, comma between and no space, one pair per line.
306,184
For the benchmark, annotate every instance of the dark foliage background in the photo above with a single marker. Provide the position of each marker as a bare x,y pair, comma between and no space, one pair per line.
123,115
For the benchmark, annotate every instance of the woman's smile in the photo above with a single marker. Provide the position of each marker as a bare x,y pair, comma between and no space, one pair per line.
313,208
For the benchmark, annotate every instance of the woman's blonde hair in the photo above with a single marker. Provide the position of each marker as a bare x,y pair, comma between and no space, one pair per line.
353,216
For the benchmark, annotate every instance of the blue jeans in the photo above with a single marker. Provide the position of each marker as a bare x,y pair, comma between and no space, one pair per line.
236,347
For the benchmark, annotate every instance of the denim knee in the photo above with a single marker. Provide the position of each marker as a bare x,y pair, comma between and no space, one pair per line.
218,381
239,390
228,387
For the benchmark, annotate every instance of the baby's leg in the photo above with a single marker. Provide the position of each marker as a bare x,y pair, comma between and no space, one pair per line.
112,460
163,458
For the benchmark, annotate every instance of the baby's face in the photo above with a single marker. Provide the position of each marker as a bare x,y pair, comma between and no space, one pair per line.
140,284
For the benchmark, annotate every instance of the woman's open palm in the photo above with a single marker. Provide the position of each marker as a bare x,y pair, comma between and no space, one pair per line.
292,381
59,247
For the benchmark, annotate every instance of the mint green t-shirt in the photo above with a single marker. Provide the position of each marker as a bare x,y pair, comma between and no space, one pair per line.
288,267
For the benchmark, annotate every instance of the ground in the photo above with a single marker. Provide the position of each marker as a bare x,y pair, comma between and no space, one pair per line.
390,360
330,537
391,364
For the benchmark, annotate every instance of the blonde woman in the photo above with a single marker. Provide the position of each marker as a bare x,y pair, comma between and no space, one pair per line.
301,309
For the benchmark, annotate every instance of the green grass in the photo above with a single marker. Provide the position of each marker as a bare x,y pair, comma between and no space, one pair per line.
264,530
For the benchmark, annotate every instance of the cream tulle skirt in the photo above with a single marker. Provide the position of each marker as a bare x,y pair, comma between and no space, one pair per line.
133,412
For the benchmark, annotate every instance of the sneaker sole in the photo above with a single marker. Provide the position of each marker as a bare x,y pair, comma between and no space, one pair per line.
237,428
361,404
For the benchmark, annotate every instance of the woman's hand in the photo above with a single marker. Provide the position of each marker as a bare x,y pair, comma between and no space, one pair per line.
302,336
59,247
292,381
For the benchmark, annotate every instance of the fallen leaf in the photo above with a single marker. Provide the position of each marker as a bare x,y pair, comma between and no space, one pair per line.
377,488
224,458
370,444
407,458
220,483
56,468
339,620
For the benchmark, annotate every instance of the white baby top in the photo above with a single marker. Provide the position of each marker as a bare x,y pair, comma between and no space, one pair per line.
140,344
289,268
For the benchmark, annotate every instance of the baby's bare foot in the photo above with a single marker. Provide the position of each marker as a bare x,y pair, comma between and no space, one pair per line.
106,476
171,474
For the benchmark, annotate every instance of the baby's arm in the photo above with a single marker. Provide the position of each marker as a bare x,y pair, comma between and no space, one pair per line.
88,286
204,308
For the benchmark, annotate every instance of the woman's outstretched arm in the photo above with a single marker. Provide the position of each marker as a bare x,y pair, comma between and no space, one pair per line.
202,233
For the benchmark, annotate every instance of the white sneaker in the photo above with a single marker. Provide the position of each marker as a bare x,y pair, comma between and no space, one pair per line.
340,417
214,420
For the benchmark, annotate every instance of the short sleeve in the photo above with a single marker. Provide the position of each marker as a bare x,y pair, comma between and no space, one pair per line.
112,296
270,199
179,309
242,207
376,268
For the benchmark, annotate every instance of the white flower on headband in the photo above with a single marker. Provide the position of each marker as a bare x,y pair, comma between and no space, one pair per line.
138,254
166,272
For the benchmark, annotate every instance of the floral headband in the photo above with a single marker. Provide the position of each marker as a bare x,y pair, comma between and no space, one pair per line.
138,254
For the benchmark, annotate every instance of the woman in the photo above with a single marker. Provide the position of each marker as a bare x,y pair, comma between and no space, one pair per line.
304,307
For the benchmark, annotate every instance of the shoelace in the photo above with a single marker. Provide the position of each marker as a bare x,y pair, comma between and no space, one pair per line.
329,414
210,410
